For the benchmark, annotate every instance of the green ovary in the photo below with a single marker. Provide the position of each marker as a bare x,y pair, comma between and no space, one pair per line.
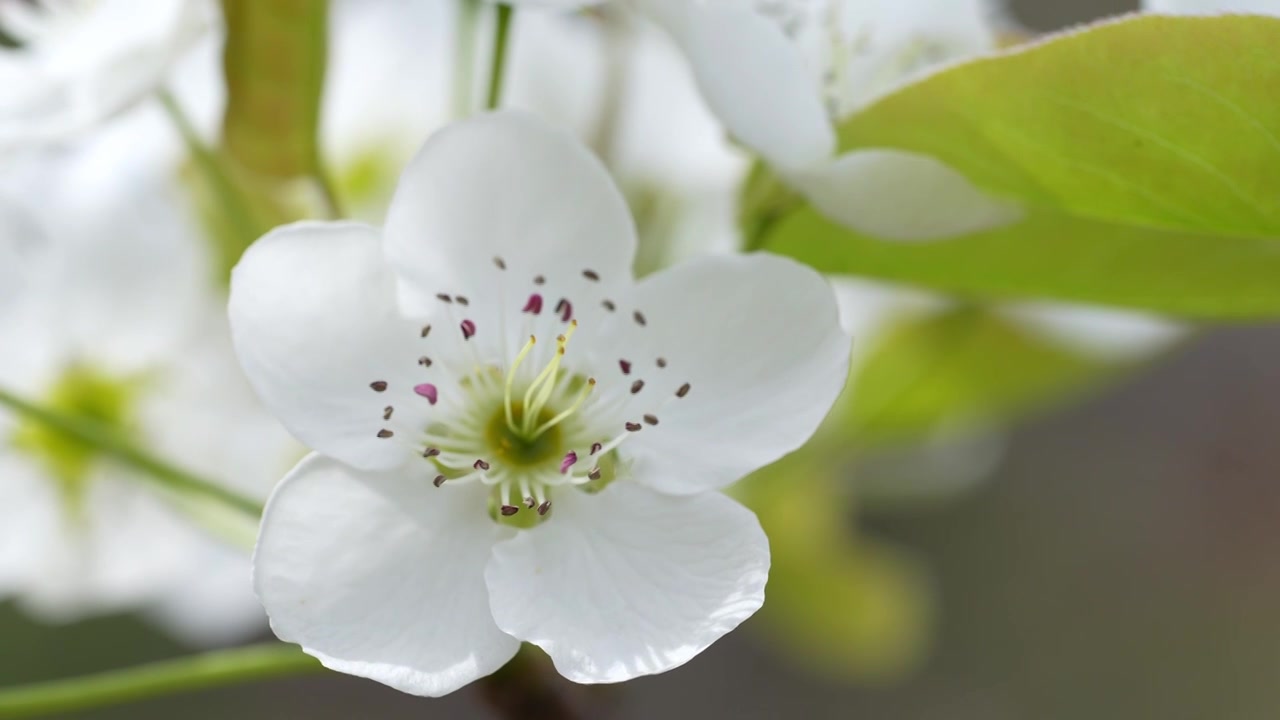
83,393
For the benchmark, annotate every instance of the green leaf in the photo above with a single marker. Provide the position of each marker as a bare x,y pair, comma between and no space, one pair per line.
958,370
1169,122
274,64
1147,154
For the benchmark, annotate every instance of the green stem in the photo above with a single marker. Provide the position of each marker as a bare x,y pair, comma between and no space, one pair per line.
212,669
464,60
501,32
234,204
93,433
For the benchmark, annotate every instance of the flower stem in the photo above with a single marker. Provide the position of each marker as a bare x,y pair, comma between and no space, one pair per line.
102,438
464,57
501,32
211,669
234,204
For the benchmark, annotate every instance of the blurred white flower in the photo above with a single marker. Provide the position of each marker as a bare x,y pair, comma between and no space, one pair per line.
79,62
518,441
120,321
1207,7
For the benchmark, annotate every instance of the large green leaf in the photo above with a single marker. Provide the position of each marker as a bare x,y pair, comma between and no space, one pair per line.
1147,154
1169,122
960,369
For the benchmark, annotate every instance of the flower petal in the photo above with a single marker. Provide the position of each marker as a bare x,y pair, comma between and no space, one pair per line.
315,323
753,76
629,582
902,196
1210,7
758,341
381,576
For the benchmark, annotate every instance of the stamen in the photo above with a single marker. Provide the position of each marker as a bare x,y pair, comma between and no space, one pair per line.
633,426
539,280
582,397
385,433
378,386
529,502
595,448
444,297
651,419
430,452
545,382
533,304
544,507
508,510
386,412
428,391
608,305
639,317
462,300
502,265
568,461
626,367
594,474
468,329
440,480
480,465
565,309
426,330
511,377
684,390
637,386
662,362
424,361
591,275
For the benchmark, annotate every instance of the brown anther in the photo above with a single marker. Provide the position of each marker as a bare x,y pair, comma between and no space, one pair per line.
386,412
684,390
608,305
378,385
461,300
444,297
509,510
502,265
544,507
637,386
426,330
424,361
633,426
539,280
530,503
439,480
596,447
594,474
651,419
430,452
662,362
480,465
385,433
639,316
626,367
591,275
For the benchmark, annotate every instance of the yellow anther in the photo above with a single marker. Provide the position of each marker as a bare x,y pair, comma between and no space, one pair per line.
511,377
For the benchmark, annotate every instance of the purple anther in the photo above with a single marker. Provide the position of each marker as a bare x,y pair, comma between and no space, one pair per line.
626,367
533,304
568,461
480,465
428,391
565,309
468,329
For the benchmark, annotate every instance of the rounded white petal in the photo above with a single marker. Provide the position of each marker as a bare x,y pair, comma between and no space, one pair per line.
548,4
315,322
1207,7
900,195
753,77
629,582
382,575
758,340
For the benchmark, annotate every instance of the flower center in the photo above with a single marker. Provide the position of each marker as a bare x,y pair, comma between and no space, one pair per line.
80,393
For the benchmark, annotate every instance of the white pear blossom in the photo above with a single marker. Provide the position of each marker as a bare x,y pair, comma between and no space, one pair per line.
781,73
79,62
1207,7
515,440
118,320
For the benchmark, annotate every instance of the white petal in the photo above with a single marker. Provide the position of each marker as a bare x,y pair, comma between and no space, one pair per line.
315,322
753,77
381,575
1207,7
629,582
759,341
549,4
902,196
